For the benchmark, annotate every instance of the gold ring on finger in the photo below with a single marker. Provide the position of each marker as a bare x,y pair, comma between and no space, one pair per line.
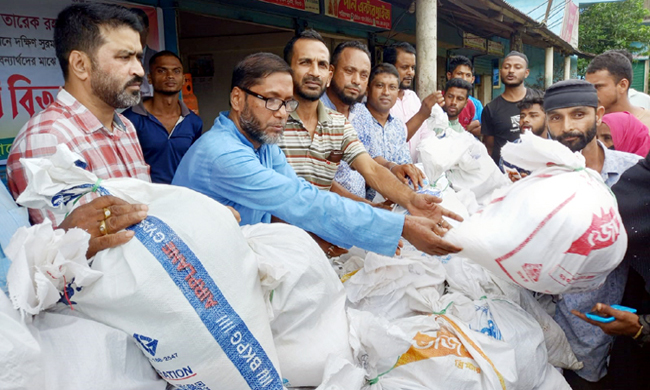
107,212
103,230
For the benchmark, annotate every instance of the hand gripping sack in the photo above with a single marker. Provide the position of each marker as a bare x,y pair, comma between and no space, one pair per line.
555,231
309,321
186,287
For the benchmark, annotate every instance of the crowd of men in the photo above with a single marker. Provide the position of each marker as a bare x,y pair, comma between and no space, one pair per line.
311,139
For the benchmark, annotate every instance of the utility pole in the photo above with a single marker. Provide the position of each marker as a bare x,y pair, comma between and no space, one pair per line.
426,35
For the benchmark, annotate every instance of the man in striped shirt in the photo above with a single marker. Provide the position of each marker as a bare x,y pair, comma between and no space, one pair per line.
98,48
316,138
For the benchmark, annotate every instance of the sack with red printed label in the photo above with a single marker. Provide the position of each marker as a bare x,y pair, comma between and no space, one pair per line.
186,287
556,231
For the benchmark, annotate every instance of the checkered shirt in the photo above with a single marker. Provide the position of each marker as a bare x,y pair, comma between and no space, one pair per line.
66,121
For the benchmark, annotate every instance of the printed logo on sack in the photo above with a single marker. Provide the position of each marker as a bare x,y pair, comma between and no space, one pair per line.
443,343
224,324
147,343
533,271
602,232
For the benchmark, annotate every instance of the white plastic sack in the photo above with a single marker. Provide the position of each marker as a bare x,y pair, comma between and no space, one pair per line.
464,160
429,352
474,281
392,286
186,287
309,321
556,231
43,262
55,351
20,353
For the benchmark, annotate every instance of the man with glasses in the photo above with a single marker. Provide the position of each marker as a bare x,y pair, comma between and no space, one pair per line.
239,164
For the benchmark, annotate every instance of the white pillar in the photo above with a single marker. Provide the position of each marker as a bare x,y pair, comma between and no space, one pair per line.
567,67
426,35
548,69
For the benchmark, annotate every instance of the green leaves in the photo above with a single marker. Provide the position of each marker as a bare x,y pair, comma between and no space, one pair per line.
606,26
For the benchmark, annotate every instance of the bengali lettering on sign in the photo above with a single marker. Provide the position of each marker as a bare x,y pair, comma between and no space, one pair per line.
303,5
471,41
370,12
30,75
495,48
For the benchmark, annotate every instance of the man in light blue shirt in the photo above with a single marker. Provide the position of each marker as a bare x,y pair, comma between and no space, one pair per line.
239,164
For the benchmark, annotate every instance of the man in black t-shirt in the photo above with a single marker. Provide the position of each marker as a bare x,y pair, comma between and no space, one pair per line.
500,118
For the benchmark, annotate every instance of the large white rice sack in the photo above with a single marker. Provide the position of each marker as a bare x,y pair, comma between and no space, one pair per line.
430,352
308,317
556,231
186,287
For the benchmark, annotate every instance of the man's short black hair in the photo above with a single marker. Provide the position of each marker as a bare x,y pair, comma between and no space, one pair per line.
533,96
615,63
144,19
349,44
381,69
306,34
78,28
390,52
624,52
456,61
516,53
163,53
459,83
251,70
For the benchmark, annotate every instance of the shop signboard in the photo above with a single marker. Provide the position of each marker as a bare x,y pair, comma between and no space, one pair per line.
369,12
303,5
30,75
495,48
471,41
570,23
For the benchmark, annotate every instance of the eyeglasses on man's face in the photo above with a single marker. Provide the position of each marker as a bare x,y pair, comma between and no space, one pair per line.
274,104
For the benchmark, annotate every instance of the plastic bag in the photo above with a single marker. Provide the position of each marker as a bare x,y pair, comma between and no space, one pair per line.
556,231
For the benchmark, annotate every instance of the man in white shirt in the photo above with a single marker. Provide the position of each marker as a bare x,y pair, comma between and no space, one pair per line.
408,107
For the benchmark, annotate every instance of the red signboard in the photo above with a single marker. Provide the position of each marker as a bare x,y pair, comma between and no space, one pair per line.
303,5
370,12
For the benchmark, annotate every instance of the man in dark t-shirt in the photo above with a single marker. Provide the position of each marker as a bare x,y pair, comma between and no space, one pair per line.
500,118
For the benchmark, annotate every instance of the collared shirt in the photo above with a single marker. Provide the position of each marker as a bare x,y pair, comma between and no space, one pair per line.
387,141
404,109
12,217
224,165
309,156
327,102
590,344
164,150
108,154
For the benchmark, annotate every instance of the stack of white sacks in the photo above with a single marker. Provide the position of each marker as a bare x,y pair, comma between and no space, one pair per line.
477,320
272,312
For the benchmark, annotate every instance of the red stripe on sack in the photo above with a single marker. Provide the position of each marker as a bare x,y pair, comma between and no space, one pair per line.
533,234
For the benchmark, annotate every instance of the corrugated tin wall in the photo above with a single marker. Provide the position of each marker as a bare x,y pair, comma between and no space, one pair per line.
638,71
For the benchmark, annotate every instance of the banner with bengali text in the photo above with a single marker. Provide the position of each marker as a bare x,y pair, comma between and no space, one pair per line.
370,12
30,75
303,5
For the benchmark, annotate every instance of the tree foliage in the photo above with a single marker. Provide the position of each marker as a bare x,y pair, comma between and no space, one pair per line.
606,26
